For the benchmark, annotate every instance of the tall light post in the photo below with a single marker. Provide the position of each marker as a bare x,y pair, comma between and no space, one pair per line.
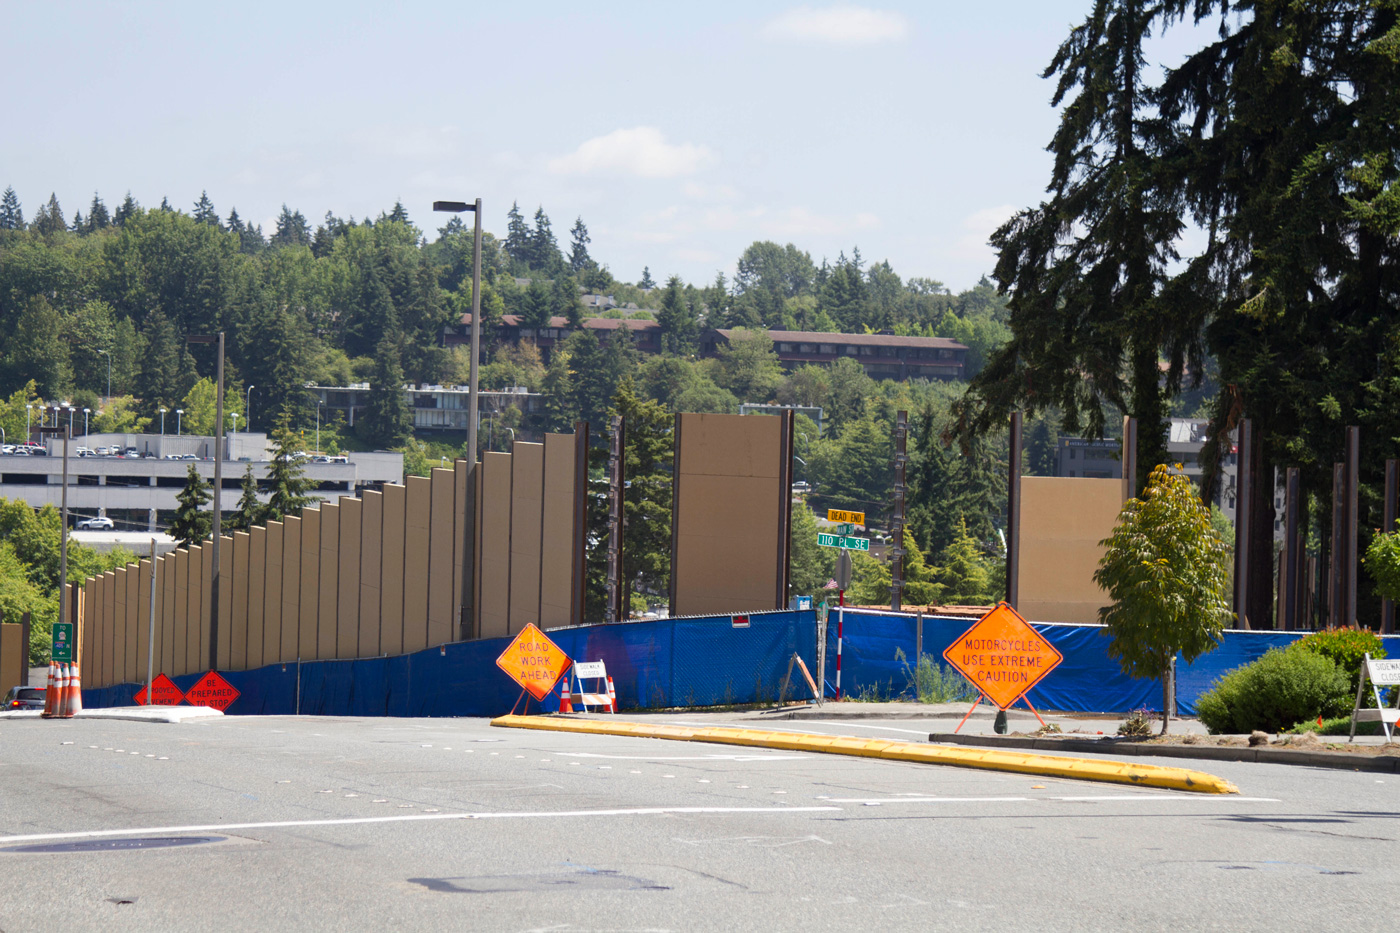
86,412
71,411
109,372
248,410
218,500
457,207
319,403
28,410
162,421
178,413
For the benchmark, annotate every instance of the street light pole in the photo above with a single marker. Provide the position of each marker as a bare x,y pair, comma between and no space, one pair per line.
319,403
457,207
86,412
109,372
28,410
248,410
162,421
178,413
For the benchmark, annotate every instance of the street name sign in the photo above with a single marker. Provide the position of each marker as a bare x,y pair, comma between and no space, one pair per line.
841,515
1003,656
63,641
213,691
534,662
841,541
165,693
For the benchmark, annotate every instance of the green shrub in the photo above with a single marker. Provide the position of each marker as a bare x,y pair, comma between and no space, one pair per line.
931,682
1279,689
1336,725
1345,646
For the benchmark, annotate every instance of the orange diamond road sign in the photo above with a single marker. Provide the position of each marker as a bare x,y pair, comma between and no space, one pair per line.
534,662
1003,656
166,693
213,691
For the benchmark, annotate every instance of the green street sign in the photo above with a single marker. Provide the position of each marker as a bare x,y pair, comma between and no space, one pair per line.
845,542
63,641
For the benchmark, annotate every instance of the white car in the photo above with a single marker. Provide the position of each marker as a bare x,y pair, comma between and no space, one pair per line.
100,523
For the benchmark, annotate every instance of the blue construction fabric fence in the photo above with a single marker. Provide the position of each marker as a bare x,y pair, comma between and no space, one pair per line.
704,661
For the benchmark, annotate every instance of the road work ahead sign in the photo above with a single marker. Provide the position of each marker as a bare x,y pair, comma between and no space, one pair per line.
534,662
1003,656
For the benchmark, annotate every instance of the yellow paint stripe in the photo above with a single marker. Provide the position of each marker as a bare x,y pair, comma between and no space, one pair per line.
1085,769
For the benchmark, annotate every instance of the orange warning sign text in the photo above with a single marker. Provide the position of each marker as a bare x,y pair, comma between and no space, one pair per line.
534,662
1003,656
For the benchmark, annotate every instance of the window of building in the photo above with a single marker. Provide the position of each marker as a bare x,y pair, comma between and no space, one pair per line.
785,347
807,348
850,350
829,348
867,351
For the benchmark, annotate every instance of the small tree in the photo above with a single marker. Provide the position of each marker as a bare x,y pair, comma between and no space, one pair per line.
192,523
289,486
1165,567
250,510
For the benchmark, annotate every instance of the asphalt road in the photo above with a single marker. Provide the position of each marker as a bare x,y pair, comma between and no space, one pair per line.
268,823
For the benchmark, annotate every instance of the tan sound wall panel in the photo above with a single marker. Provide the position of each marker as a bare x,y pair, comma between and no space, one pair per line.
729,490
165,619
109,628
143,610
179,636
226,586
460,472
347,627
557,534
134,664
238,627
440,554
119,625
526,505
371,549
272,596
85,665
257,580
494,559
291,587
417,530
195,613
391,560
1062,522
330,581
310,583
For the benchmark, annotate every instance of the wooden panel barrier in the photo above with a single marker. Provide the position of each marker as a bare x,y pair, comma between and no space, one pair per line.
226,585
238,621
330,581
196,609
257,579
272,595
165,619
494,549
310,583
135,665
391,561
347,627
460,472
526,510
89,630
291,588
371,548
417,529
557,533
443,514
180,638
143,615
109,626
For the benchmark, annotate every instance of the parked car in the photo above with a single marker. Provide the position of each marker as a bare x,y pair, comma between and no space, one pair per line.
100,523
7,448
132,452
24,698
86,452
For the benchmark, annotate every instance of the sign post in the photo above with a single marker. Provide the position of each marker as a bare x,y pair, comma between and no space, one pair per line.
1003,657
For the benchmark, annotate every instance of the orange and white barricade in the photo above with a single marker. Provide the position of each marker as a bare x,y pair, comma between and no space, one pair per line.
600,695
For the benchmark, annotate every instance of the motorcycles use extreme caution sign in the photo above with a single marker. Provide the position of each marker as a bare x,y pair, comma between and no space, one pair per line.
1003,656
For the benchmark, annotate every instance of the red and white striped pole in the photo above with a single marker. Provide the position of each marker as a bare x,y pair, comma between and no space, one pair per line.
840,631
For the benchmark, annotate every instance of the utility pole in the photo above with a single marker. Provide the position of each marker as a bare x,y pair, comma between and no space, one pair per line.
216,531
616,468
901,433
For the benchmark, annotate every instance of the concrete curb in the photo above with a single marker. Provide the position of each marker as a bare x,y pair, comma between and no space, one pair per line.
1089,769
1388,764
129,713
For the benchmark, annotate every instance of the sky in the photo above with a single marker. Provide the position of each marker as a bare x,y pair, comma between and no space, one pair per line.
679,132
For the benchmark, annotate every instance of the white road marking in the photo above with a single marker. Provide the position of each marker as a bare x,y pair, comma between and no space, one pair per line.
406,818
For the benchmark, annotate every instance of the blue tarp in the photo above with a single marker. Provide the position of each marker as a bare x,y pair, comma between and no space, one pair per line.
706,662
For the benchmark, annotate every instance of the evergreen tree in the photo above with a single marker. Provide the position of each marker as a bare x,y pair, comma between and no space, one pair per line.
962,572
126,210
165,205
49,220
646,528
560,410
98,218
292,229
543,249
517,244
565,302
166,367
579,260
77,226
289,486
387,420
191,523
204,210
679,329
36,350
249,511
647,281
399,214
537,303
11,215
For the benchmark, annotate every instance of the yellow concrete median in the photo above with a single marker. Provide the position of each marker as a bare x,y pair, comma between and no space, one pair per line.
1085,769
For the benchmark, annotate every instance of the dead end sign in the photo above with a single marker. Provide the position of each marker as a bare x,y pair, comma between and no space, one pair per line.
213,691
1003,656
534,662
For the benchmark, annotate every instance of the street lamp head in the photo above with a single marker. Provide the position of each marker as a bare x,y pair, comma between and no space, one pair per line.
179,411
164,410
453,207
87,411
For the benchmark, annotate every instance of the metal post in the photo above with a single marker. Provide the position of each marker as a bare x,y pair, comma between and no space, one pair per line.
1013,514
840,635
1335,605
151,640
63,542
1289,582
1128,453
616,466
1392,485
1352,518
1244,490
918,639
218,513
901,432
472,397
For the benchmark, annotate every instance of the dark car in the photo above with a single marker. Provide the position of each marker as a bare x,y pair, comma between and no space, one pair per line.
24,698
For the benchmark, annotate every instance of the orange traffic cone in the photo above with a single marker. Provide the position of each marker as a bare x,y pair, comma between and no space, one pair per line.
60,709
612,696
566,700
51,691
75,691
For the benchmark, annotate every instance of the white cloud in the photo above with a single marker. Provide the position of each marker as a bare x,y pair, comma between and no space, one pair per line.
980,225
642,152
843,25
